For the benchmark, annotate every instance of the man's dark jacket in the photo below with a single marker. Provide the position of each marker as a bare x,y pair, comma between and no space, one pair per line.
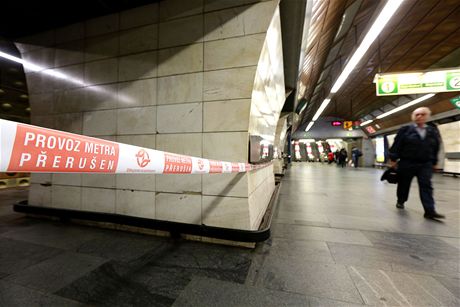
409,146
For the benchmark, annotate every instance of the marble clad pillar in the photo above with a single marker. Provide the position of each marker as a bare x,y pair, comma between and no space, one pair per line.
191,77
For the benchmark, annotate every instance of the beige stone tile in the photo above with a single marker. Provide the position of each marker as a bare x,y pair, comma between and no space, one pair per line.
67,179
98,200
191,88
235,185
174,183
180,60
228,83
181,208
138,66
136,203
28,43
70,122
66,197
45,121
101,47
100,122
98,180
224,24
226,146
100,97
259,200
70,53
74,77
37,83
257,17
71,32
137,93
178,8
139,39
233,52
183,31
180,118
147,141
42,104
69,101
211,5
139,16
226,212
102,25
39,195
257,177
100,72
137,120
142,182
40,178
184,144
227,115
43,57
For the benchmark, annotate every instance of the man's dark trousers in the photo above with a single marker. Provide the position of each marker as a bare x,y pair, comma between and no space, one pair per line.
423,171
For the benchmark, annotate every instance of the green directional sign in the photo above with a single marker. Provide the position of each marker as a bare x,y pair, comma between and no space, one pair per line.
456,102
418,82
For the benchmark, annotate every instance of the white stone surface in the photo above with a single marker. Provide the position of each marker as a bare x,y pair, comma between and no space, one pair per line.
185,144
211,5
67,179
180,118
98,180
228,83
181,208
102,25
42,104
226,115
226,146
139,39
68,101
100,72
183,31
235,185
39,195
100,97
190,85
180,60
70,122
40,177
227,212
174,183
137,66
98,200
136,203
178,8
66,197
233,52
139,16
224,24
136,182
137,120
71,32
101,47
70,53
100,123
137,93
72,72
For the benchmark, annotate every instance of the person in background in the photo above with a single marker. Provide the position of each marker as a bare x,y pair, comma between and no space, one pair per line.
330,157
343,154
355,154
414,154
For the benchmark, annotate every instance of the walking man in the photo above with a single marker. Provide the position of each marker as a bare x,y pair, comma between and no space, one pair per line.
415,153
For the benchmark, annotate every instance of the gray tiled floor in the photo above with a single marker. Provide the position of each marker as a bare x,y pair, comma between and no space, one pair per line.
337,240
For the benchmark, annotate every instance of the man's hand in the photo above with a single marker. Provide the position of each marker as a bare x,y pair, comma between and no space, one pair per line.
393,164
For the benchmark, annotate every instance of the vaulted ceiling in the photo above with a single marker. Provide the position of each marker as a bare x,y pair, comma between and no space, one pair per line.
423,34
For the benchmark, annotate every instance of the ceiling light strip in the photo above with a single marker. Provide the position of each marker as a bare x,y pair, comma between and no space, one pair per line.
309,126
385,15
321,108
367,122
418,100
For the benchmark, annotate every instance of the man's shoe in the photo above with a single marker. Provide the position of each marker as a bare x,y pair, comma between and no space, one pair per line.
433,216
399,206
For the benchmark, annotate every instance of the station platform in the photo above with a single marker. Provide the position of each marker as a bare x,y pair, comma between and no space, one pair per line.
336,240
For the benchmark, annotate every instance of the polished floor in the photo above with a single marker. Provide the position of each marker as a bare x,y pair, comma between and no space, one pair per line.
337,240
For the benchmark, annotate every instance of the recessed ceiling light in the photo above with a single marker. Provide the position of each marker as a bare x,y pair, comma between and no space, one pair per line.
2,91
19,83
6,105
23,96
28,109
